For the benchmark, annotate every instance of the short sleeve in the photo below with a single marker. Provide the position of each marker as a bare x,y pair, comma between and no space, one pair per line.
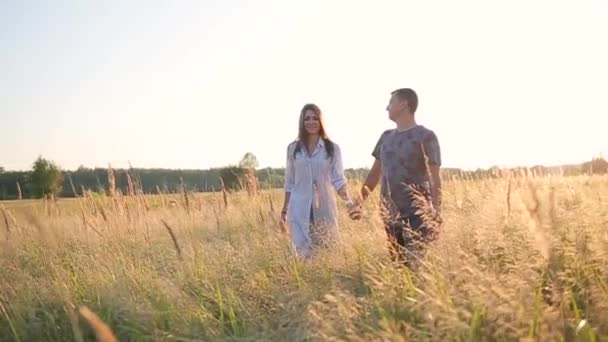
377,148
432,148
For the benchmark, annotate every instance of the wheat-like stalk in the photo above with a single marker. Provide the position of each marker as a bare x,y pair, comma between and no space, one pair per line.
224,193
19,194
173,238
509,198
271,204
8,226
217,218
130,187
10,322
111,181
102,211
185,194
144,201
101,329
72,185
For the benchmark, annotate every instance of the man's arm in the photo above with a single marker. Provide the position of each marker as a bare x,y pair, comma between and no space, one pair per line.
435,186
373,177
432,153
372,180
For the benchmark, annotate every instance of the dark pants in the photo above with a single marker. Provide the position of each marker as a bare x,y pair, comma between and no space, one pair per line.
407,238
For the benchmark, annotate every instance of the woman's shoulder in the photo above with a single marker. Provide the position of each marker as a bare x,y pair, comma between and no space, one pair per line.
292,145
333,143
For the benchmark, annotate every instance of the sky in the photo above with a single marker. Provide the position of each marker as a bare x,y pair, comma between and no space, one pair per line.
197,84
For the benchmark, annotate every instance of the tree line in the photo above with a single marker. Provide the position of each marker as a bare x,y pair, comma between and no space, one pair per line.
47,179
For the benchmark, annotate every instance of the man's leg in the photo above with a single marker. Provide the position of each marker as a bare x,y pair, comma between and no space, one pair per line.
417,237
396,240
406,239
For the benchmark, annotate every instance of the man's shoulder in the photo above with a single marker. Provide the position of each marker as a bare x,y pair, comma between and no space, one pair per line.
380,142
388,132
426,130
425,133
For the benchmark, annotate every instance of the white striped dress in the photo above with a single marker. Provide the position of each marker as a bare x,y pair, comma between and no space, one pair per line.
312,181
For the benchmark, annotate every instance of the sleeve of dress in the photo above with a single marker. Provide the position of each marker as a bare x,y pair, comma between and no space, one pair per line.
289,171
338,179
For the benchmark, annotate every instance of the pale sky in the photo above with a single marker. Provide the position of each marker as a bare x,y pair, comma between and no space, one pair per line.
197,84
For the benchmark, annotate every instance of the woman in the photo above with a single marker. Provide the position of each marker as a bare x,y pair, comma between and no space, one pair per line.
314,170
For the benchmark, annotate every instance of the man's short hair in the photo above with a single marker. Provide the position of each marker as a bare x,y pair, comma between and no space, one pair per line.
408,95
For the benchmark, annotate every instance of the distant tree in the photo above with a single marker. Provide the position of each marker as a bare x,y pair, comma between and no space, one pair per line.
232,177
46,178
596,166
249,181
1,169
539,170
600,165
271,178
249,161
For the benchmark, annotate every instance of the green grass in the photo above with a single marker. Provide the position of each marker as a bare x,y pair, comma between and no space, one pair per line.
533,272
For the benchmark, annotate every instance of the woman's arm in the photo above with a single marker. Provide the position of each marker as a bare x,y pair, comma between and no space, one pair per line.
338,179
285,204
289,185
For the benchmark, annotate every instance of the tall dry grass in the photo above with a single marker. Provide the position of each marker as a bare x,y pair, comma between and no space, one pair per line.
522,258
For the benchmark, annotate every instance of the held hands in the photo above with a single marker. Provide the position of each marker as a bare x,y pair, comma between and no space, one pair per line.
354,209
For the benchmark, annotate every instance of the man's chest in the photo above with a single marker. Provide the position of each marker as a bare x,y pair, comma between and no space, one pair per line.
402,150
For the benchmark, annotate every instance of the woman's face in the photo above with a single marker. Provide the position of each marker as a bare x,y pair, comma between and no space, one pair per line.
311,122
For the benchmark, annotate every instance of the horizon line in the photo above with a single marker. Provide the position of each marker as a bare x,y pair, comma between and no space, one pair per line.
283,167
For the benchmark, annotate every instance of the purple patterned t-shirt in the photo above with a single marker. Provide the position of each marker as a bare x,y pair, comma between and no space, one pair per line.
402,154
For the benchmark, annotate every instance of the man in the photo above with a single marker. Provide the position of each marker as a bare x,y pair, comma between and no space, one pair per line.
407,162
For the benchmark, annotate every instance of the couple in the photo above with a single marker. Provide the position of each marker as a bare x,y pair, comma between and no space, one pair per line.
407,162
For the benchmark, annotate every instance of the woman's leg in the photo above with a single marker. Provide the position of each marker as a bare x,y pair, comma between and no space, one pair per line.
312,217
313,230
321,233
301,238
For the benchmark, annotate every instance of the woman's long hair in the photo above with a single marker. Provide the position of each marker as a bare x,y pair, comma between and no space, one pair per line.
303,134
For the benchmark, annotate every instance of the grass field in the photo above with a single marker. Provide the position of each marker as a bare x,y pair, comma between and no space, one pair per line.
521,259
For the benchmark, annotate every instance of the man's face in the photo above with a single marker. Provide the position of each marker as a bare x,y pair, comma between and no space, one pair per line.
396,107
